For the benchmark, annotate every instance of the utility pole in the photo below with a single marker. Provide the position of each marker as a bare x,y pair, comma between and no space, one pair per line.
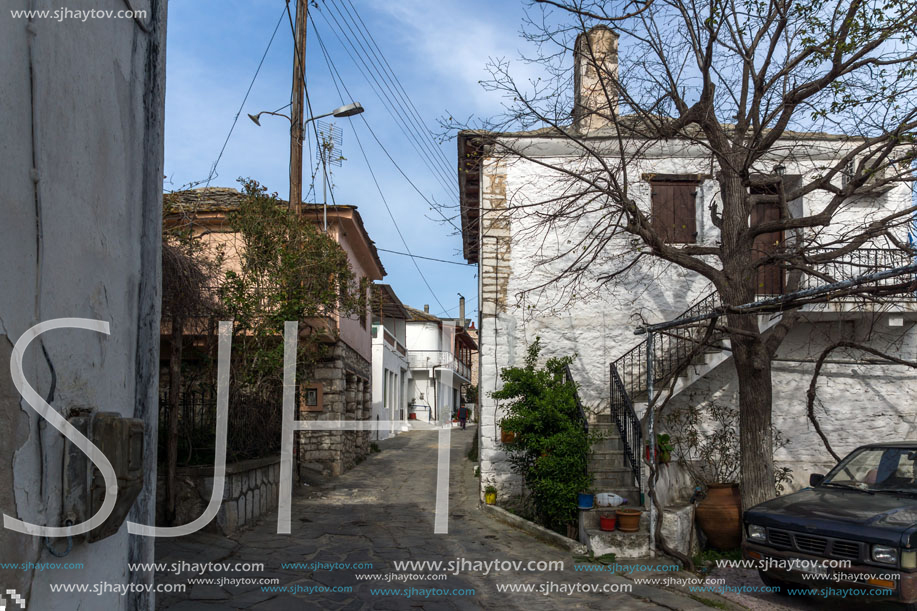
296,111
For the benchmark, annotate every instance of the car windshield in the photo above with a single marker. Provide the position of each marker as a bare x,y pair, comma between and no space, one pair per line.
876,469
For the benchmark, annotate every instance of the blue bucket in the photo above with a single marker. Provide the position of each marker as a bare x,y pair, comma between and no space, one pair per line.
586,501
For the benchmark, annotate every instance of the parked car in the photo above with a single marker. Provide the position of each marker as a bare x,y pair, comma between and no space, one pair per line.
862,513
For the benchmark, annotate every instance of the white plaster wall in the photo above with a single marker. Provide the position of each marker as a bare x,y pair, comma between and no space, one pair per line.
594,322
423,336
81,169
385,362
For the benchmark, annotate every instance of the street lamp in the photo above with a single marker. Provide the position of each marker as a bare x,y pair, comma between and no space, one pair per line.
347,110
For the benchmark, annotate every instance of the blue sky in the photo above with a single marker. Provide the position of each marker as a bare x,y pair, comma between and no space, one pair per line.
438,50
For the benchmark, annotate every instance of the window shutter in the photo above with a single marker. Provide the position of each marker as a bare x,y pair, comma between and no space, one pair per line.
674,214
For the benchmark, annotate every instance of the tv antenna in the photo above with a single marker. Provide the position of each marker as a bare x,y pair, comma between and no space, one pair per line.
328,153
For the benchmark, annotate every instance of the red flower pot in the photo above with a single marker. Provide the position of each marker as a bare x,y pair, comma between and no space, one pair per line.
607,523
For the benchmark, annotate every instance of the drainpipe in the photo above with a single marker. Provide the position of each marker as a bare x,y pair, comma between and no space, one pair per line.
651,432
433,380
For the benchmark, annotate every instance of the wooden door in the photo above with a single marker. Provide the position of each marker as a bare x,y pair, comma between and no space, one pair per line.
771,279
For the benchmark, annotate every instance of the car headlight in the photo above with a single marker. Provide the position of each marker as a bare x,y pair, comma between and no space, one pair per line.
757,533
884,554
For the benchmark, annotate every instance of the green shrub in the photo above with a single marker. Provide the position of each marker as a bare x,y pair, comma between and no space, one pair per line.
550,449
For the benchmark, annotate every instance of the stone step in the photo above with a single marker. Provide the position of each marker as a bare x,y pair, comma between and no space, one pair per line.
623,545
604,455
589,518
607,483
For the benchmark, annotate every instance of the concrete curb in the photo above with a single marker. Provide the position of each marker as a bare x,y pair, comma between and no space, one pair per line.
539,532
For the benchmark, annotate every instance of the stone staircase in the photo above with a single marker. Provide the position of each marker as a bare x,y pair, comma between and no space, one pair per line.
612,473
609,462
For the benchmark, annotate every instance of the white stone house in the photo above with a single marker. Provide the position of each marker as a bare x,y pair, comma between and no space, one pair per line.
439,356
860,401
391,372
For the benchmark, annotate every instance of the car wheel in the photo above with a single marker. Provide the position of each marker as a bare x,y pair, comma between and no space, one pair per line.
779,585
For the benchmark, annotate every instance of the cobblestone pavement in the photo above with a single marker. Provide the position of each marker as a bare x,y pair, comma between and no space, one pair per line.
380,512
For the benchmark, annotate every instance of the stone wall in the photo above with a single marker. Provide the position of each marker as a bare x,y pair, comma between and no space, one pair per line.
346,395
249,492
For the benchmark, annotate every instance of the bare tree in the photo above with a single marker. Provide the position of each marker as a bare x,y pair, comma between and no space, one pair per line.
755,87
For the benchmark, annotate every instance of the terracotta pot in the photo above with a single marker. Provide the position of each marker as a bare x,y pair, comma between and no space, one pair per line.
628,520
507,436
719,515
607,522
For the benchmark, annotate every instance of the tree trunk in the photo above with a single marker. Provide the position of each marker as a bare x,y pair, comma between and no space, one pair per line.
753,369
749,351
174,406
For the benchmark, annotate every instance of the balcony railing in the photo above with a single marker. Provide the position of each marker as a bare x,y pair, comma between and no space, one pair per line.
860,262
389,339
424,359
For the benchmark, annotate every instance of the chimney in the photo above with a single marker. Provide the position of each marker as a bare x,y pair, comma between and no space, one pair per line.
461,310
426,308
595,77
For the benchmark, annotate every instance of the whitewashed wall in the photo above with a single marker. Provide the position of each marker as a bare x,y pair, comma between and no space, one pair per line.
81,167
596,323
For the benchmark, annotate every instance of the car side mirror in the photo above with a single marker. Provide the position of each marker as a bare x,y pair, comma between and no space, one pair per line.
816,478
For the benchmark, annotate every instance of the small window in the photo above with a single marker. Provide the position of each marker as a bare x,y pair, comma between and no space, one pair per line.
674,213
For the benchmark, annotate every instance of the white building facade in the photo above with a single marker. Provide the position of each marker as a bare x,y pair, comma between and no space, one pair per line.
860,400
81,163
391,372
439,356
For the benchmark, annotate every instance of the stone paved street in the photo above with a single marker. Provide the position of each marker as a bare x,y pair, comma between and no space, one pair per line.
379,512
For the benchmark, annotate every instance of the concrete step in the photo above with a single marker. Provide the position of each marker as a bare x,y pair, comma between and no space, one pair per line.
604,455
611,483
590,518
623,545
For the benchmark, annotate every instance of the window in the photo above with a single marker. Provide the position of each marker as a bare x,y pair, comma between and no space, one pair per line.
674,214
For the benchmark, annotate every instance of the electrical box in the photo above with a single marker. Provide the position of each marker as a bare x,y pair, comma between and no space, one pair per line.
121,440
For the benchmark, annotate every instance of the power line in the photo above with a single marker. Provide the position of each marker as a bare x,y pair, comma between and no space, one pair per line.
302,68
390,79
369,166
399,85
334,71
407,254
213,168
399,117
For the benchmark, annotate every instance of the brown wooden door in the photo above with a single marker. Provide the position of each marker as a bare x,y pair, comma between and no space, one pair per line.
770,277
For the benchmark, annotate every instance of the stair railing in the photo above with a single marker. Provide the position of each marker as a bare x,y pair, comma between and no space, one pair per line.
627,377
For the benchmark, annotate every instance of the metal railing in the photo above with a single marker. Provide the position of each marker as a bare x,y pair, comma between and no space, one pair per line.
858,263
628,379
425,359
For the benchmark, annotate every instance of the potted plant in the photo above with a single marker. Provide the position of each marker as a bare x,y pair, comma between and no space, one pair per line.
607,522
628,519
662,453
585,500
664,446
490,494
705,442
506,436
